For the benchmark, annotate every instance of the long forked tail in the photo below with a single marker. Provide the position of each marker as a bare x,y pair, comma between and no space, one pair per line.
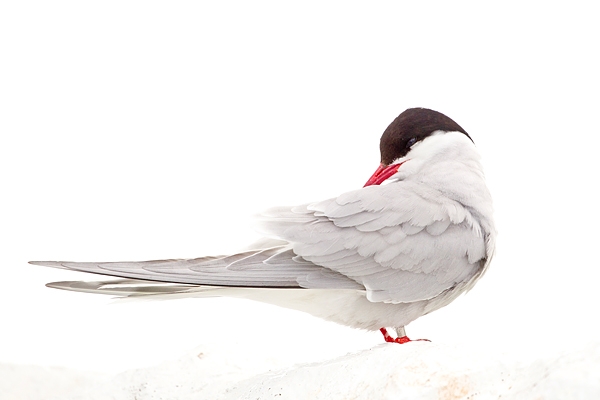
137,288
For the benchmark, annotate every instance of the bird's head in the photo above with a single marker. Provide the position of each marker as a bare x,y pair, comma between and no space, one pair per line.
416,139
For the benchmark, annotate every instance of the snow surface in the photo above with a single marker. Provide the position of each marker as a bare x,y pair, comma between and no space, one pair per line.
418,370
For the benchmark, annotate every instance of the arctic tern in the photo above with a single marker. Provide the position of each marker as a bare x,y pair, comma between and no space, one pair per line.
416,236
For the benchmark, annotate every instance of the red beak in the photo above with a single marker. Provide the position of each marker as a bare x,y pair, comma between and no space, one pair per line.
382,173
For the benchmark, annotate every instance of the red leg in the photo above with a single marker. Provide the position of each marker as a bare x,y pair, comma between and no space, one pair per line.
401,340
386,335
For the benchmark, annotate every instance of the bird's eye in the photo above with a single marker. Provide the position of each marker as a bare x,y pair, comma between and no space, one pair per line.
410,142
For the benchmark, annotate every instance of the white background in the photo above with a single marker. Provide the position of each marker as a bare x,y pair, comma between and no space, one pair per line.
148,130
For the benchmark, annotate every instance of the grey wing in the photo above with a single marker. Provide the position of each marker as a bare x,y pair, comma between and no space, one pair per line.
270,267
402,242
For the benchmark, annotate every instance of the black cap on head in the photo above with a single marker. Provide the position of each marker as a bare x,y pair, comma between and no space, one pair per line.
413,125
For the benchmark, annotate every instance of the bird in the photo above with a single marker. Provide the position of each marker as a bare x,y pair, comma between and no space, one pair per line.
418,234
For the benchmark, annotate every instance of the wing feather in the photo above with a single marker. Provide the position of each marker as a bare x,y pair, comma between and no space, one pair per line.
403,241
400,242
272,267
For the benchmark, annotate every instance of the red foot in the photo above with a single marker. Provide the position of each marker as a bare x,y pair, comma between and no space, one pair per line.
401,340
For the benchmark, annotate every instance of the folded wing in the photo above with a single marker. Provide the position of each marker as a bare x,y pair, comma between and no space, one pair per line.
270,267
401,242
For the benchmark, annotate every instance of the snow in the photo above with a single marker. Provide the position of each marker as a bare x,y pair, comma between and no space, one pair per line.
418,370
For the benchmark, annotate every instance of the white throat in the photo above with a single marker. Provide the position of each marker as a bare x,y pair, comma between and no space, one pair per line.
450,163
